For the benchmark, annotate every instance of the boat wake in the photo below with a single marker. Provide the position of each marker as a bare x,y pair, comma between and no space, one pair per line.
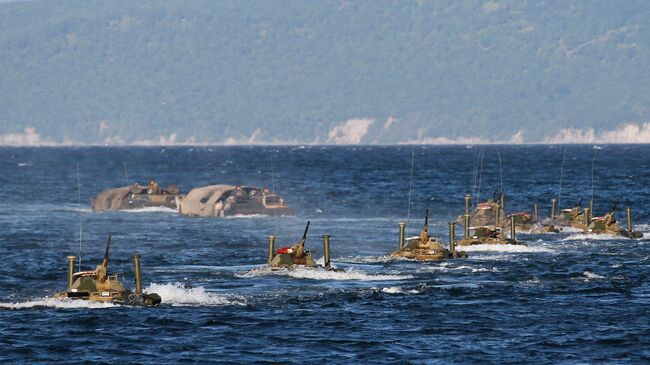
176,294
152,210
569,230
245,216
504,248
319,274
79,209
367,259
55,303
446,267
600,237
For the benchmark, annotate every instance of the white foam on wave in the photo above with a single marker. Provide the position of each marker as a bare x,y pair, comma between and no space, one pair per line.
367,259
176,294
535,281
569,229
475,269
446,267
320,274
80,209
593,236
25,164
55,303
252,216
366,219
642,227
152,210
589,275
246,216
505,248
399,290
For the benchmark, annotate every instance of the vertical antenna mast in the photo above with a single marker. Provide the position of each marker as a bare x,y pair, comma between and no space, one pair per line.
80,222
126,175
478,155
593,167
408,211
275,217
559,194
480,176
500,170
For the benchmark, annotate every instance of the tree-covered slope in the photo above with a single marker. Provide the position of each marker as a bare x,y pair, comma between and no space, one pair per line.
123,71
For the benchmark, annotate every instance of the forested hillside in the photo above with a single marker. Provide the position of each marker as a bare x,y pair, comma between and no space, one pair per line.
295,71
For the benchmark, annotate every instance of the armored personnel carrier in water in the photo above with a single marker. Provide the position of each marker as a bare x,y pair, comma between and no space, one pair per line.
426,247
575,217
481,230
99,286
229,200
492,213
608,224
485,213
135,197
296,255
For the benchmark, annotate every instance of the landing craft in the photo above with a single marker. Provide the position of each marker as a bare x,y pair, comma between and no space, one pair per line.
426,247
136,196
229,200
99,286
296,256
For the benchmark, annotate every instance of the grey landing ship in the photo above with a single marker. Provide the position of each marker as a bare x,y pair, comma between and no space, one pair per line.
229,200
135,196
481,231
296,256
98,286
426,247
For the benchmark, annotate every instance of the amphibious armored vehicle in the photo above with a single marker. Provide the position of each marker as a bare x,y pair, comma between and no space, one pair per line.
426,247
99,286
575,217
485,213
608,224
485,232
135,197
229,200
296,255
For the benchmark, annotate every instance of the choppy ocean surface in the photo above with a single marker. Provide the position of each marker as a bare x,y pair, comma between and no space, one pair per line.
564,298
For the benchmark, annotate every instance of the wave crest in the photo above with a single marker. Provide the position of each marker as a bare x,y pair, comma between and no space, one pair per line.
176,294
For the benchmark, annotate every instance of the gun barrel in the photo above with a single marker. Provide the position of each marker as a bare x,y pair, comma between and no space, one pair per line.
304,235
108,246
426,217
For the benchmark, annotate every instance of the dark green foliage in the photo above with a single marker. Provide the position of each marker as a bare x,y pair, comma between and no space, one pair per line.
294,69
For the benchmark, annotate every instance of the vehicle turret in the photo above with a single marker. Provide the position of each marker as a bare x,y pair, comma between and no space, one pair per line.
425,247
488,223
608,224
136,196
99,286
296,255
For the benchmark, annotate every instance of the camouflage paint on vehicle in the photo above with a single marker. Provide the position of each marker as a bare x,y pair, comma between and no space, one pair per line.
426,247
135,196
99,286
